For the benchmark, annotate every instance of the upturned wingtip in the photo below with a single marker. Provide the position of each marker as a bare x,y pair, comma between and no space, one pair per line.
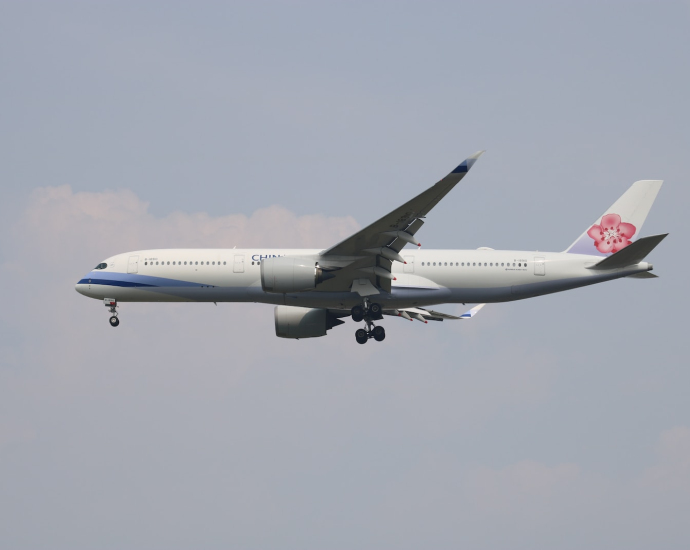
466,164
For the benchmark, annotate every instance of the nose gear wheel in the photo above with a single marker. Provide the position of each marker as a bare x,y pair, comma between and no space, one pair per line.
112,309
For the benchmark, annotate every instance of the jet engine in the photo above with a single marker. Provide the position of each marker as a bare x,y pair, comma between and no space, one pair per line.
289,274
302,322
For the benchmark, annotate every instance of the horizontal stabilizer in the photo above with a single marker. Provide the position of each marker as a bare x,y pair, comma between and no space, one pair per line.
632,254
643,275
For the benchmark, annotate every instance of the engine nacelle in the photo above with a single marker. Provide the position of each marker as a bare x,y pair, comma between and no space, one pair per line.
302,322
289,274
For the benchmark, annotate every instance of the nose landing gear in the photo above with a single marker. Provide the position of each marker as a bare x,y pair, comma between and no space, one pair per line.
112,308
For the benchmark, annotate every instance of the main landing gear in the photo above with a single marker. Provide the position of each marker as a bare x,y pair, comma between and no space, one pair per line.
112,308
377,333
368,313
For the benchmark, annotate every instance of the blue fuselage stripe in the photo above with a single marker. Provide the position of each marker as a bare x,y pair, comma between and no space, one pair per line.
111,282
133,280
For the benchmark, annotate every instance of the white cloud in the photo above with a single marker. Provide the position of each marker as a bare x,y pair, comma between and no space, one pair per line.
63,223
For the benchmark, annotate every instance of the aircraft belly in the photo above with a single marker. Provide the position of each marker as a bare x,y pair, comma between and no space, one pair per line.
529,290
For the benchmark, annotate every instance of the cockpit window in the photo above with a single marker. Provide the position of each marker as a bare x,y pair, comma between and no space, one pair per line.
101,266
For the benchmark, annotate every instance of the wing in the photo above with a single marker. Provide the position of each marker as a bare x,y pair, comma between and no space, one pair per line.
369,253
425,315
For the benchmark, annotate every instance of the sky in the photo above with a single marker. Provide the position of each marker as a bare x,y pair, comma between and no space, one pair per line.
556,422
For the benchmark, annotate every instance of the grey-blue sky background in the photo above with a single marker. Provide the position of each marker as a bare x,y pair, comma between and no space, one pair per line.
557,422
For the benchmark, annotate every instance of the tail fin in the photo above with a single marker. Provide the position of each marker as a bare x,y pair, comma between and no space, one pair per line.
621,223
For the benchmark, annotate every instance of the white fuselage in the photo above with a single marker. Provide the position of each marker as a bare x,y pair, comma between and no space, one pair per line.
429,277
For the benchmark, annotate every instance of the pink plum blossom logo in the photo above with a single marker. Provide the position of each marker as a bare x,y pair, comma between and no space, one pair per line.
612,235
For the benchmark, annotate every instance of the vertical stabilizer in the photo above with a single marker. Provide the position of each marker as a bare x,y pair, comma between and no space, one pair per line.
620,225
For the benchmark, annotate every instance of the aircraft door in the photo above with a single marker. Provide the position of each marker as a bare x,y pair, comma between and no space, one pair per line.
539,266
409,266
133,264
238,264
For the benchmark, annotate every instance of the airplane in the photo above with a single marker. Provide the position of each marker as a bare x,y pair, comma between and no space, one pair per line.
370,275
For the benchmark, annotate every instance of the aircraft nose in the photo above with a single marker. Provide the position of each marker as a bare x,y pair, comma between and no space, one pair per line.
82,286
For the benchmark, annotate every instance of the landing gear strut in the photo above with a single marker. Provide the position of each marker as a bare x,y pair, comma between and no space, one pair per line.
112,308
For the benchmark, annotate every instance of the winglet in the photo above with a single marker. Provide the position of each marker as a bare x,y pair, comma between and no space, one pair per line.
471,313
466,164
